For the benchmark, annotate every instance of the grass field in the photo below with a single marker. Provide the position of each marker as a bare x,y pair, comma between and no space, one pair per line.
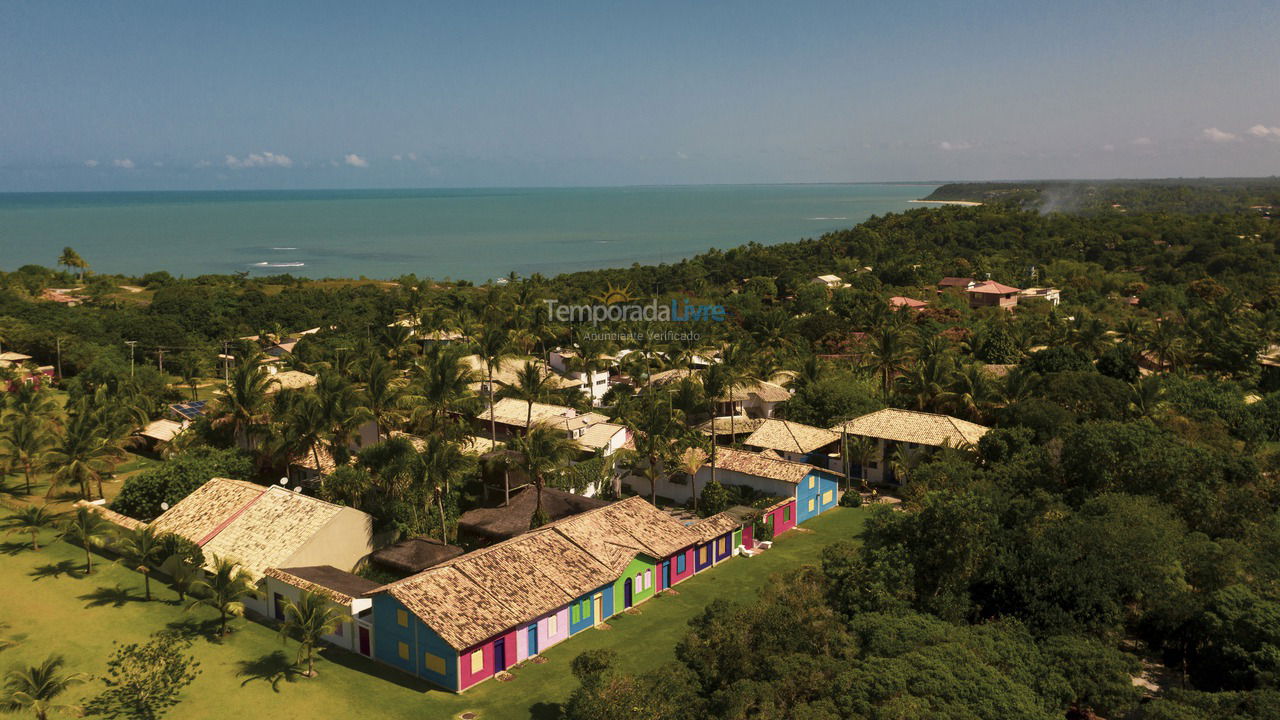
49,607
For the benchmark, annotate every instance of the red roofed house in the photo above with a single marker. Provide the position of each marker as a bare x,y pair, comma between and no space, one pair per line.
898,301
993,294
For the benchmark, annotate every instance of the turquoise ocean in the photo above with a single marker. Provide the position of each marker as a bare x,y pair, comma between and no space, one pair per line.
471,234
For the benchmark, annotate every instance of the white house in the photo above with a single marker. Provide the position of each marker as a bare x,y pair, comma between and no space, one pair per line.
344,590
595,383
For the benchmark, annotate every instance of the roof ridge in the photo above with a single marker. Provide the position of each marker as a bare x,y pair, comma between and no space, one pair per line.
230,518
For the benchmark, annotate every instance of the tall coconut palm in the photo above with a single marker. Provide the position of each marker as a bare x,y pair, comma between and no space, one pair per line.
439,463
83,453
442,385
925,382
384,395
494,346
224,590
970,392
190,366
343,414
27,439
71,260
533,384
859,450
887,355
35,689
87,529
656,424
143,548
303,425
735,368
242,407
691,460
539,453
30,519
1147,396
307,620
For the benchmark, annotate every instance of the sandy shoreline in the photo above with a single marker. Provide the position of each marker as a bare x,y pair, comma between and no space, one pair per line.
966,203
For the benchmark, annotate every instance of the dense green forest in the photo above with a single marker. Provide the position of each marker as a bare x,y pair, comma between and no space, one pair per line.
1122,514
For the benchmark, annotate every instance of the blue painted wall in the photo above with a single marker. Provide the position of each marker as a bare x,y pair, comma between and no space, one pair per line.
586,609
814,486
388,634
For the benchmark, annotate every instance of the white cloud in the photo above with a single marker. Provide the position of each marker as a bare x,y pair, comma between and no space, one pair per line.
157,164
125,163
91,163
1213,134
1143,141
1109,147
413,157
949,146
397,158
262,159
682,155
355,160
203,164
1263,131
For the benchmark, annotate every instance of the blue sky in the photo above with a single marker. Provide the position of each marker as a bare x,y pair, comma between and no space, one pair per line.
169,95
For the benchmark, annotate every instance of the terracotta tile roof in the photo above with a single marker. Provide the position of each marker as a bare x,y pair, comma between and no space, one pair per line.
991,287
915,427
339,586
326,465
787,436
960,282
765,391
478,595
598,436
749,463
713,527
508,371
202,513
900,301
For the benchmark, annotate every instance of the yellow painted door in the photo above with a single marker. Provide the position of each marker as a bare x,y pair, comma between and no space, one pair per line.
599,608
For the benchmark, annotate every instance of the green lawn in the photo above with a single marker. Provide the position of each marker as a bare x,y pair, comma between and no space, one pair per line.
49,607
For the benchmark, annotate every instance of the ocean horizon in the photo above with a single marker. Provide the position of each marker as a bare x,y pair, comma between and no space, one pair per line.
471,234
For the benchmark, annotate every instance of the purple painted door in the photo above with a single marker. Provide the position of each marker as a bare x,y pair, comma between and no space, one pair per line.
365,644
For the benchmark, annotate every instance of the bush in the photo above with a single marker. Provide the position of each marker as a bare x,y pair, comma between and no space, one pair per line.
143,494
713,499
851,498
762,530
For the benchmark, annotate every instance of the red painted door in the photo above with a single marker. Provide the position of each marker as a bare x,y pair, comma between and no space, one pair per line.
747,532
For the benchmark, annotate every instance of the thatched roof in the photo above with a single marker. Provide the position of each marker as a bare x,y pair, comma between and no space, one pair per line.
760,465
501,523
787,436
478,595
915,427
339,586
415,555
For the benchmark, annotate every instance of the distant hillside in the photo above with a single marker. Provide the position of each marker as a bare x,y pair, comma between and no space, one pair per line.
1201,195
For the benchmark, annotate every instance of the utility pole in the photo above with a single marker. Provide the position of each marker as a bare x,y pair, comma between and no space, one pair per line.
59,345
160,353
226,363
130,343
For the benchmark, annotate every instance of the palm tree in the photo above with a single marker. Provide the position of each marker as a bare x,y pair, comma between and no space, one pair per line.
86,528
31,519
184,576
442,385
71,260
384,395
1146,396
655,423
35,689
244,400
83,453
308,619
533,384
342,412
691,461
303,427
926,381
143,547
27,439
540,452
190,367
437,468
887,355
969,393
223,590
859,449
494,346
735,364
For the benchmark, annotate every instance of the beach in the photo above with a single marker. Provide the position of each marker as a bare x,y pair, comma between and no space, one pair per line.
966,203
